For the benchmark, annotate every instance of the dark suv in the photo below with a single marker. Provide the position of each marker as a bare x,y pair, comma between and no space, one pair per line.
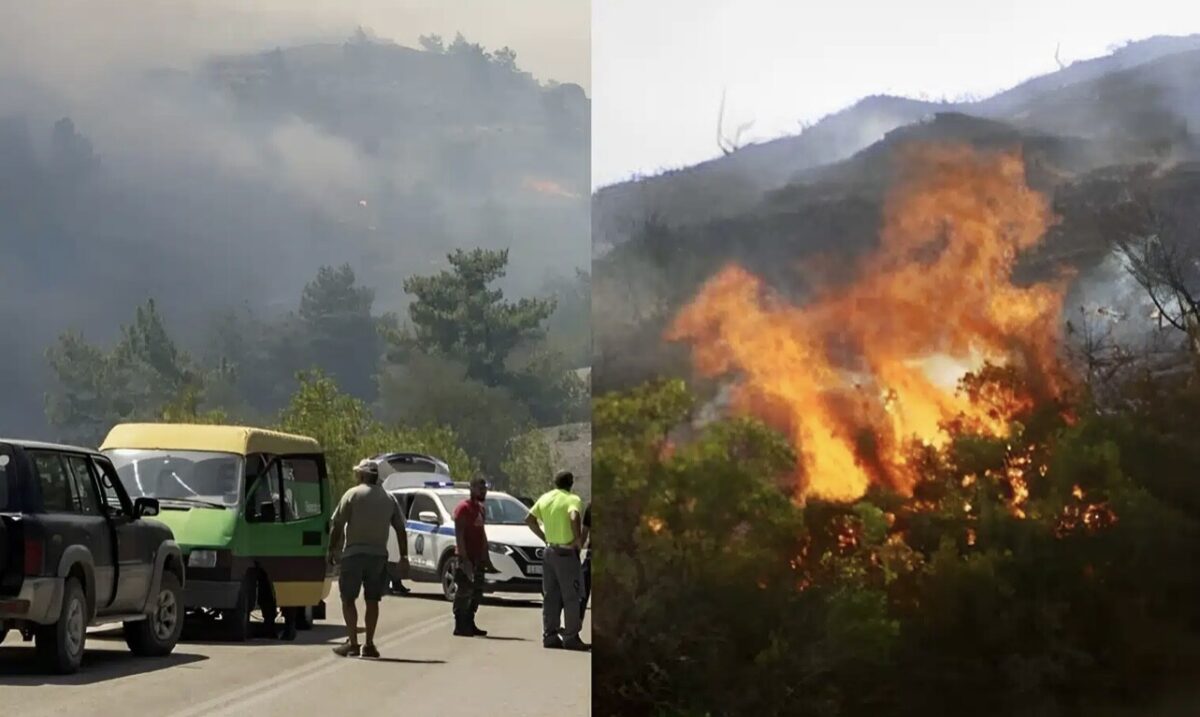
75,551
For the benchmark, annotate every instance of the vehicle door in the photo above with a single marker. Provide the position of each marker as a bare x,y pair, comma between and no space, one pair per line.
134,547
73,517
306,529
263,539
402,500
425,548
406,500
12,500
91,507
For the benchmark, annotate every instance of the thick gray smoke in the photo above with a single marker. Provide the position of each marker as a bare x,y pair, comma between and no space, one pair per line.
215,154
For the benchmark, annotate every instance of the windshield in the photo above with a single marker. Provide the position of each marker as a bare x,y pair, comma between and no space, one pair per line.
208,478
498,509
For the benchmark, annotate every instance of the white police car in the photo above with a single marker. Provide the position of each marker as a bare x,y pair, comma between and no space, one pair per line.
516,552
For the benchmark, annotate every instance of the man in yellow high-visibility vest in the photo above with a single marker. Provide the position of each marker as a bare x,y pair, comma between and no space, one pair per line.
556,518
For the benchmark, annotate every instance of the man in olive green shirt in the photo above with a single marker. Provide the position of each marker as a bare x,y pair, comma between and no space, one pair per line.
358,544
556,519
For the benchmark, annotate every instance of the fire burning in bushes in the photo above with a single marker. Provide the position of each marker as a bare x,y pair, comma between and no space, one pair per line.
861,369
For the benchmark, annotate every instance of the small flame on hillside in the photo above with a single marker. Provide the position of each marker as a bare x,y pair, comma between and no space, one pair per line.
549,187
858,371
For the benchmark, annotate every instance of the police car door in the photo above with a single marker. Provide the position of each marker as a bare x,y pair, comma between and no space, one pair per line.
402,498
423,532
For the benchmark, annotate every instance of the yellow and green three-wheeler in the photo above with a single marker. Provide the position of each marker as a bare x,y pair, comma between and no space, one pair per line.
250,509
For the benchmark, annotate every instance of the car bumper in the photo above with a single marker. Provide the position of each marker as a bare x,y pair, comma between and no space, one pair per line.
218,594
521,585
514,574
39,601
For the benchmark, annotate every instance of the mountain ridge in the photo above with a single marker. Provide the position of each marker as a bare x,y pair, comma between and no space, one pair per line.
724,186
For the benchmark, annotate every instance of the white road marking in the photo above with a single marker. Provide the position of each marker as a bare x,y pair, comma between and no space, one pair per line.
270,686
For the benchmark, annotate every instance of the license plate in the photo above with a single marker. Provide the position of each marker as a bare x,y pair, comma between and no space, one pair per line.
534,570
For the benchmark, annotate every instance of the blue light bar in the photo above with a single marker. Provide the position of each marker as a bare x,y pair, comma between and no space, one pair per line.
438,484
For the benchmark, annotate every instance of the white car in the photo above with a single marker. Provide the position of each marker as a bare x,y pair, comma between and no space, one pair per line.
516,552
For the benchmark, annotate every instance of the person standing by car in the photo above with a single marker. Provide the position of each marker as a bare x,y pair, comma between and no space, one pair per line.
471,538
362,519
556,519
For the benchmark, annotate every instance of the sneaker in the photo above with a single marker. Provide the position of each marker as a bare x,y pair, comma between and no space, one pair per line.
462,629
369,651
552,643
476,631
346,650
576,645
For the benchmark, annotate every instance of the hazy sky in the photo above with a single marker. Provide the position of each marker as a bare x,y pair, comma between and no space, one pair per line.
74,41
658,68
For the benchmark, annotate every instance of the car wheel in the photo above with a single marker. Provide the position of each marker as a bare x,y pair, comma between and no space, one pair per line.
158,634
449,587
60,646
304,618
237,619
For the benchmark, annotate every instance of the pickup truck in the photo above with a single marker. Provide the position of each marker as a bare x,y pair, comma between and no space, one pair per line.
75,551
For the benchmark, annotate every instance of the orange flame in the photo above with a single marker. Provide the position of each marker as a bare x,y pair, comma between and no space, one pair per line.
859,370
549,187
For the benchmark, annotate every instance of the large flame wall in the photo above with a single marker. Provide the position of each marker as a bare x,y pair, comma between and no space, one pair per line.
860,369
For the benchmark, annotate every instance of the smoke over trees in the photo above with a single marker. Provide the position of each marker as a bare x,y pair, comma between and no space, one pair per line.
355,380
218,181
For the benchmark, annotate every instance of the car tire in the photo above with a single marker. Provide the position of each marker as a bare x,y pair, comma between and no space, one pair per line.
60,646
157,635
449,587
237,619
304,618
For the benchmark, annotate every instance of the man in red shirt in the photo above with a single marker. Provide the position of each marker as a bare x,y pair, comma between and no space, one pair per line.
472,559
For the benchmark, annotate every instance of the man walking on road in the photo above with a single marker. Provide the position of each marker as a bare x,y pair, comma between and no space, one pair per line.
560,526
362,519
471,538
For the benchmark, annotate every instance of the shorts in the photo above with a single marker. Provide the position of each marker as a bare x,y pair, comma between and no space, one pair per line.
363,572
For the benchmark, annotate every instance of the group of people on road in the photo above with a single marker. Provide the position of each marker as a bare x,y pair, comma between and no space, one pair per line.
358,545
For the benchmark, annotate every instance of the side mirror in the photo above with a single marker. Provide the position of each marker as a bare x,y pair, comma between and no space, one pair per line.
428,516
145,507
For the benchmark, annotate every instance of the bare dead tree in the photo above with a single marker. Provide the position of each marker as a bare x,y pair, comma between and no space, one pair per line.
726,145
1102,360
1058,47
1162,254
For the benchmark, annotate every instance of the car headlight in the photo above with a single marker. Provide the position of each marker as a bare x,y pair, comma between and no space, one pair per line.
202,559
500,548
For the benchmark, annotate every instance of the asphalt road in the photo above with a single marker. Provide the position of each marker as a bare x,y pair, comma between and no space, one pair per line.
424,670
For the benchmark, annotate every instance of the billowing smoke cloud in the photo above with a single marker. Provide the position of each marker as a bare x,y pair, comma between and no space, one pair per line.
202,170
